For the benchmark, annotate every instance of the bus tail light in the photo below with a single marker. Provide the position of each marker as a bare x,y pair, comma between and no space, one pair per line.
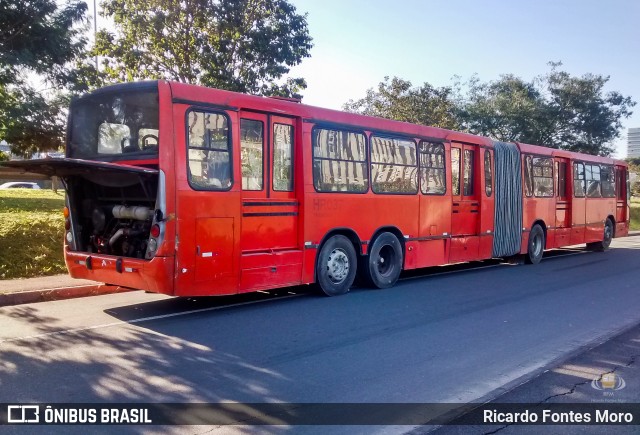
67,224
156,232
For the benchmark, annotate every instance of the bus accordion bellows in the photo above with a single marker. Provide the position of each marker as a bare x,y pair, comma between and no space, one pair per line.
185,190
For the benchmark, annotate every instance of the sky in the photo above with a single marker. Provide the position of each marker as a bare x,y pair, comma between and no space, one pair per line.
357,43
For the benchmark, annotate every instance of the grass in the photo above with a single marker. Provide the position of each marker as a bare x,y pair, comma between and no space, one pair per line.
31,233
635,214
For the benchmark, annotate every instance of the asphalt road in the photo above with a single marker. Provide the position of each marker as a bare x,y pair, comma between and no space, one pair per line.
444,337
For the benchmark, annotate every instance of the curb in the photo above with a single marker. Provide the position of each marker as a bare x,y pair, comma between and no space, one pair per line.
46,295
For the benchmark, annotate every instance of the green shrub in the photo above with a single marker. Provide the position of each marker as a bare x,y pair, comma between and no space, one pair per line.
31,233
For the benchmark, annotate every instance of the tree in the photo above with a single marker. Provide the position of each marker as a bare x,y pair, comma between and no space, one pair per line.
398,99
239,45
37,38
555,110
508,109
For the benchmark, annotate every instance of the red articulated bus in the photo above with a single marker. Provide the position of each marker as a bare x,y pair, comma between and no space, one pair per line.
185,190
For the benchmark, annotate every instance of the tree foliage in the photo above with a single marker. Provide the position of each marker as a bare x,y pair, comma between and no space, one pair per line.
239,45
509,109
557,110
398,99
38,38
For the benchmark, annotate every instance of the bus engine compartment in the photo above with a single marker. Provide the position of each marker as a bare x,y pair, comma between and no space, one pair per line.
114,214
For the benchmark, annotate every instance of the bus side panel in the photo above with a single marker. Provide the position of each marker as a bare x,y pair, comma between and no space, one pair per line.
597,210
434,222
207,260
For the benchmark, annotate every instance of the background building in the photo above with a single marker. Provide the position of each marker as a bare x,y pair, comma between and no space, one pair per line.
633,143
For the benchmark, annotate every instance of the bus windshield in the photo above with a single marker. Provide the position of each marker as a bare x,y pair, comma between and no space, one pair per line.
114,125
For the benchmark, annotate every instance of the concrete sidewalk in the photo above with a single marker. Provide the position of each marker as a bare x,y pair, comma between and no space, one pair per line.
51,288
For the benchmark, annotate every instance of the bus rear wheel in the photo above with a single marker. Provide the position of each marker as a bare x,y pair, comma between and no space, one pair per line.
336,266
536,245
606,238
385,261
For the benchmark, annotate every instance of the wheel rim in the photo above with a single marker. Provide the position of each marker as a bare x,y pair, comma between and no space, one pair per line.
537,245
338,265
385,260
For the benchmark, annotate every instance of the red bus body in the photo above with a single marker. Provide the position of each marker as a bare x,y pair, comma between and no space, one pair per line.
220,242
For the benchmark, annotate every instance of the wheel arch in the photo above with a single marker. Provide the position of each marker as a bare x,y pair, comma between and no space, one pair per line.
543,225
388,229
613,221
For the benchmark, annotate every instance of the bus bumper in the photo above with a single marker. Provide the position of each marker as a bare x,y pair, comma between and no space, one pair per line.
155,275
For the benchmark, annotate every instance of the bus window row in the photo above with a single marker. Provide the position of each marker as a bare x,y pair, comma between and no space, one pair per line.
396,165
594,181
341,163
590,179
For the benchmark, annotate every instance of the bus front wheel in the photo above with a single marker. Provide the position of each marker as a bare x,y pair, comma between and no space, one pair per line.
536,245
336,267
385,261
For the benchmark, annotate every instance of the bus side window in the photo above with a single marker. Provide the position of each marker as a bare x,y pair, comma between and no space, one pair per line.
393,165
607,181
561,170
251,148
593,181
455,171
542,177
469,173
488,177
528,176
578,180
209,147
339,161
619,189
282,157
432,172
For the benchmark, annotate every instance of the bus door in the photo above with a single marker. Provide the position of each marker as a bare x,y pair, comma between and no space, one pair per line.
621,198
563,202
465,203
578,203
270,253
207,201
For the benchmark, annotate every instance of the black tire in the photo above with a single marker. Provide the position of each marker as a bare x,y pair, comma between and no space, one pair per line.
607,236
336,266
536,245
385,261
